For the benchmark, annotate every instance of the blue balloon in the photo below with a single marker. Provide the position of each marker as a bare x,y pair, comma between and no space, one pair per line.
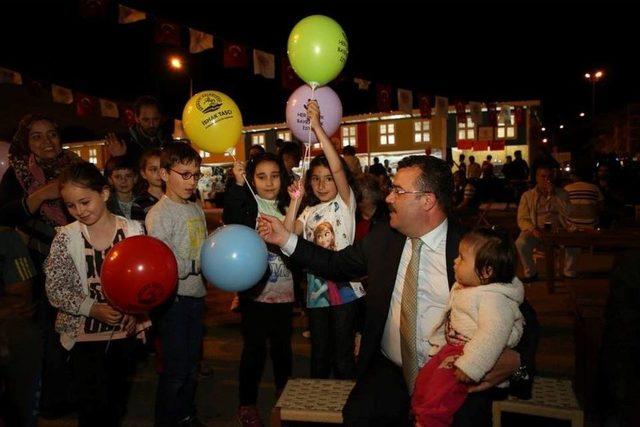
234,258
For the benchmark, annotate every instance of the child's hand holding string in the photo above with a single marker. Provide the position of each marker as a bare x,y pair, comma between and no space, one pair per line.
296,190
129,324
106,314
239,171
462,377
313,112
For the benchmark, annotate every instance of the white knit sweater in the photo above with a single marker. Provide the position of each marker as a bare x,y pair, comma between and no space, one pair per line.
487,317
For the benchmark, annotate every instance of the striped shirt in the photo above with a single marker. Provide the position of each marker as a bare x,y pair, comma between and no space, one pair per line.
584,201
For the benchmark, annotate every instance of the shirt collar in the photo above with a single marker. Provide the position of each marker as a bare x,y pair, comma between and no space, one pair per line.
434,238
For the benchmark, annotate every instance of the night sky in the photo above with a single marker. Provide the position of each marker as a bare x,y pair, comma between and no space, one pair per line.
465,51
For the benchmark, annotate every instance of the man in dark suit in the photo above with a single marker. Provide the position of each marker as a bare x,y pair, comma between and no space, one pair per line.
404,302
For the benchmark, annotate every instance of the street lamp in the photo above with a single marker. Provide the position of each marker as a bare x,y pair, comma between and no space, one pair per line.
176,63
594,77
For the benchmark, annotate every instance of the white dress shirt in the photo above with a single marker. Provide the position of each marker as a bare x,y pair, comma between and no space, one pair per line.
433,294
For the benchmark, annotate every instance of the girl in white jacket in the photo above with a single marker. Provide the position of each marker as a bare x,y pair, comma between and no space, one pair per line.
481,320
96,335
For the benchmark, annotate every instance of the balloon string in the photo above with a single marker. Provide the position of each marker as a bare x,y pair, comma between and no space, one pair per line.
106,350
244,176
307,152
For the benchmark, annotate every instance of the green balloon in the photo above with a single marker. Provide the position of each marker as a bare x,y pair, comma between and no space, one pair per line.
317,49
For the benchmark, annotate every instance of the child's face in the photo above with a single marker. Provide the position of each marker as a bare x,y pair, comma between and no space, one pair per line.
325,239
151,172
84,204
177,186
324,188
123,180
266,179
464,266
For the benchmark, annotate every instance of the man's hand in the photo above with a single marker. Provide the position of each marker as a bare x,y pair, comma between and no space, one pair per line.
114,145
462,377
272,230
505,366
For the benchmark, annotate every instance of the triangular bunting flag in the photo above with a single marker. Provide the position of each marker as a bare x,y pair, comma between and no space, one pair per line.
362,83
424,105
383,97
167,33
61,95
108,109
10,76
264,64
85,105
288,77
127,115
199,41
235,55
405,100
127,15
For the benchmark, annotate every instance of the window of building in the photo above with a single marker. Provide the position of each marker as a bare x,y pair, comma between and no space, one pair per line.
349,136
93,155
257,139
387,134
422,131
506,131
284,135
466,129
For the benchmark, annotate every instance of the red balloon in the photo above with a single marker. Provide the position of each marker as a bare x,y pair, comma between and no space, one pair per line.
139,274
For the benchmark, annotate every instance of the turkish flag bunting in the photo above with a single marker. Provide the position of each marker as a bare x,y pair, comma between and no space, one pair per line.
424,105
235,55
383,97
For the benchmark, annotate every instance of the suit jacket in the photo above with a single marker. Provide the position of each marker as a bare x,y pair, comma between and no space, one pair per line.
377,256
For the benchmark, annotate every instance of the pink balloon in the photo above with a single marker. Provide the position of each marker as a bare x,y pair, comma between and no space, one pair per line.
330,111
4,158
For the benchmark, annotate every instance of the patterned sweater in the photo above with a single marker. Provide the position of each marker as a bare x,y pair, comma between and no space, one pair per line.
66,281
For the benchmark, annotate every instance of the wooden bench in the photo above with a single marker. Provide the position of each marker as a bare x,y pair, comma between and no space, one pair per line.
552,398
312,400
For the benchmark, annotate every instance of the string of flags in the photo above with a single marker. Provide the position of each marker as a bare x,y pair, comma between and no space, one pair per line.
85,105
237,55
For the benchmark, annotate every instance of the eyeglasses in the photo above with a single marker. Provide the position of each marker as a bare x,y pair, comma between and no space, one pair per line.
400,191
188,175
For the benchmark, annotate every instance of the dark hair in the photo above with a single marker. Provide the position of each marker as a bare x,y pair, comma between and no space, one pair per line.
368,183
178,152
349,150
436,177
472,158
283,194
146,101
258,147
462,157
118,163
146,155
20,142
489,157
517,154
290,148
310,199
493,249
83,174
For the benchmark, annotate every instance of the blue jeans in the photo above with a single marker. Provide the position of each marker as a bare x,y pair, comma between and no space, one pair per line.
180,332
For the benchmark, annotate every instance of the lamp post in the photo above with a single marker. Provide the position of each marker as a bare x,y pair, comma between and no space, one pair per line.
177,64
594,77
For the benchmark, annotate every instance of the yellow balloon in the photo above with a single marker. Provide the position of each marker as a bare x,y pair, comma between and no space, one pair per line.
212,121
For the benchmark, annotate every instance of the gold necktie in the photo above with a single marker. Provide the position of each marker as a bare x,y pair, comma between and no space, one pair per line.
408,316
